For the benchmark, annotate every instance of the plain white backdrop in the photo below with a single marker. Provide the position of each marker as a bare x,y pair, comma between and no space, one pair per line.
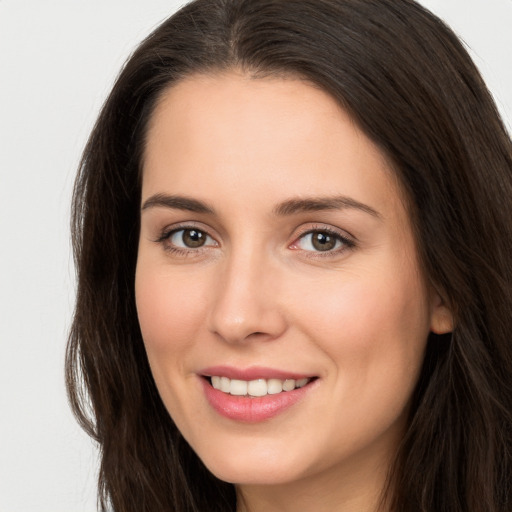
58,60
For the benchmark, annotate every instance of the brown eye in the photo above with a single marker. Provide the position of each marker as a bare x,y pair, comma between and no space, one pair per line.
193,238
190,238
322,241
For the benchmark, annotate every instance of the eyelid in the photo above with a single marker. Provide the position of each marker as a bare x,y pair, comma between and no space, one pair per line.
167,233
171,228
171,237
348,240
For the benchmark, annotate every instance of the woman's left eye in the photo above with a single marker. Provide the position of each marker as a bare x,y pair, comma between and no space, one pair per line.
322,241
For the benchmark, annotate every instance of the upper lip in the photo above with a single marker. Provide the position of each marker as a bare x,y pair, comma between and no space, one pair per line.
251,373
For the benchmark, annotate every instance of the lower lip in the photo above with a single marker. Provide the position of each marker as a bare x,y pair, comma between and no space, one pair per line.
252,410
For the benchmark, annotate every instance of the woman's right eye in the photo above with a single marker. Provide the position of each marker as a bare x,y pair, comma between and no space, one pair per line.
188,238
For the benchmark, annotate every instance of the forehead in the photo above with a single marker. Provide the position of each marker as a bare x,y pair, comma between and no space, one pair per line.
232,134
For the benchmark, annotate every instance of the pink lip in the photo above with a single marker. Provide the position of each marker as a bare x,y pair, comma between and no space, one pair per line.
246,409
251,373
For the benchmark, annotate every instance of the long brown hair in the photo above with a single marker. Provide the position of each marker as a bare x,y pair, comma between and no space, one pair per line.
410,85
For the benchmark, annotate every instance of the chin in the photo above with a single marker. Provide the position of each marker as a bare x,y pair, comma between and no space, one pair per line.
259,466
252,475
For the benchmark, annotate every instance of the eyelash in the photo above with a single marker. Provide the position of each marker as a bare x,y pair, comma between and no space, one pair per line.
347,243
181,251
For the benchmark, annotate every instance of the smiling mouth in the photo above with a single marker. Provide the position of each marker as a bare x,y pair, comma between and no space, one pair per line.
258,387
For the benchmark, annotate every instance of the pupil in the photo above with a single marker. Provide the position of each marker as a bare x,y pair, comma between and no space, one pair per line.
323,241
193,238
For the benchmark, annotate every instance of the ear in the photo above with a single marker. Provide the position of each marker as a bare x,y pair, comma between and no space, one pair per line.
441,320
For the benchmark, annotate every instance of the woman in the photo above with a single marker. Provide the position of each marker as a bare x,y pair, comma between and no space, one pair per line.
293,239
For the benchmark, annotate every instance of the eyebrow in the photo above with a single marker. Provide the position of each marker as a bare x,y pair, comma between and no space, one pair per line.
315,204
177,203
286,208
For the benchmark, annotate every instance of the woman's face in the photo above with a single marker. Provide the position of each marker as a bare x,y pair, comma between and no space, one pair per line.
276,252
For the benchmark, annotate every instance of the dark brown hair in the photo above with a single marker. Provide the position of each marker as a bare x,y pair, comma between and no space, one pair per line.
410,85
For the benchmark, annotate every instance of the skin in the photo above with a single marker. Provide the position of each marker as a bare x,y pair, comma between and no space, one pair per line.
258,293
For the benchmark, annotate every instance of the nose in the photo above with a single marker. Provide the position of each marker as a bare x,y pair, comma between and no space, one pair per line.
246,303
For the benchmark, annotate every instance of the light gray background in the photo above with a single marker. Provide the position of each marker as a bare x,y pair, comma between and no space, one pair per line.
58,59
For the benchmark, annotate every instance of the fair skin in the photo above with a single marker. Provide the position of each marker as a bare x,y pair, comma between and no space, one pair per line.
274,235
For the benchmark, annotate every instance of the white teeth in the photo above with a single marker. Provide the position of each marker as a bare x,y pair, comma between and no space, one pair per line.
238,387
225,384
258,387
289,385
274,386
301,383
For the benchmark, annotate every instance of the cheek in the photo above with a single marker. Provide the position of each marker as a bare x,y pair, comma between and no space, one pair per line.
170,308
375,336
170,311
373,328
357,308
